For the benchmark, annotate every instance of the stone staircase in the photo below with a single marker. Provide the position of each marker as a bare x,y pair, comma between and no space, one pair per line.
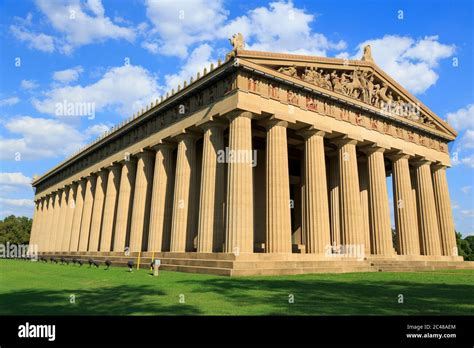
261,264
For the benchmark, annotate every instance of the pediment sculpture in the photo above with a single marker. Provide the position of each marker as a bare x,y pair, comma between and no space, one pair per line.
361,84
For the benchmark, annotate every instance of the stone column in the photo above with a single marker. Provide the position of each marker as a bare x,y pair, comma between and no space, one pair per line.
87,212
278,214
445,215
62,220
183,214
55,221
96,222
429,231
77,218
110,206
141,201
41,222
405,208
35,226
127,180
364,201
159,235
317,229
379,210
334,204
49,222
239,222
211,203
352,237
71,202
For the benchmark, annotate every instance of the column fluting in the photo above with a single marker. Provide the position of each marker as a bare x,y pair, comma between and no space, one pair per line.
110,207
211,204
445,214
77,219
428,221
141,201
317,226
125,200
96,222
404,207
239,214
183,213
161,199
87,212
379,209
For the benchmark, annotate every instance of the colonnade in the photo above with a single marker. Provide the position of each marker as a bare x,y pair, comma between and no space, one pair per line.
152,201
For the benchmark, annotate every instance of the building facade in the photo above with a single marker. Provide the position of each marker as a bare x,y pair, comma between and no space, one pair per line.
266,156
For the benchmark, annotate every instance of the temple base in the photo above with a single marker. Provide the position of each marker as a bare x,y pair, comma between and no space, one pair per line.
271,264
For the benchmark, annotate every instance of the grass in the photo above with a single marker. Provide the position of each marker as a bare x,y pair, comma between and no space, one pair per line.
31,288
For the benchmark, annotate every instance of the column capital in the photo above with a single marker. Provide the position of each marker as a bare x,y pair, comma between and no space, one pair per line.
131,160
219,124
239,113
184,134
370,149
111,166
163,144
272,122
398,154
340,142
144,153
310,131
420,161
438,166
212,121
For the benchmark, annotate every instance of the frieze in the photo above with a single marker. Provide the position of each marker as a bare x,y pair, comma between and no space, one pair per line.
361,84
337,110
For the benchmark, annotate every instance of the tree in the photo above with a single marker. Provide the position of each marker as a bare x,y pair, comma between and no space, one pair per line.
15,229
465,247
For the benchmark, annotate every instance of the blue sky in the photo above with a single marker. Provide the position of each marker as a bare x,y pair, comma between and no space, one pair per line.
120,55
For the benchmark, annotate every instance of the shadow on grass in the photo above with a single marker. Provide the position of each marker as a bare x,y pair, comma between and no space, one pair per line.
120,300
326,297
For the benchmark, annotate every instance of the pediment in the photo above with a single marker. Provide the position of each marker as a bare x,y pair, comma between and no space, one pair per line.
362,81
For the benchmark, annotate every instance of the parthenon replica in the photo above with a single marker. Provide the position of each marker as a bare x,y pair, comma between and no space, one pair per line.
266,163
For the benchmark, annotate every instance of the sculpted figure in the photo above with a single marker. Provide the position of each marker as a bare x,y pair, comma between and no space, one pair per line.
382,96
237,42
336,82
367,56
288,70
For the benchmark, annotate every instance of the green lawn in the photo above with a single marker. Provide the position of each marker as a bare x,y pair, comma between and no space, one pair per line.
32,288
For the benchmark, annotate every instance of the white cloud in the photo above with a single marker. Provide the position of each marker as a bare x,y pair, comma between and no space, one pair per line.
61,140
466,189
281,27
178,24
68,75
463,121
80,23
28,84
198,59
38,41
124,89
9,101
410,62
15,178
16,202
462,118
468,161
97,129
467,213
